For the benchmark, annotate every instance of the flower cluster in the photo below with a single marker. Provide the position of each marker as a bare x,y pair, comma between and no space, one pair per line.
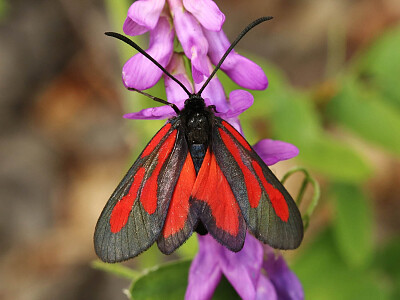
197,26
244,270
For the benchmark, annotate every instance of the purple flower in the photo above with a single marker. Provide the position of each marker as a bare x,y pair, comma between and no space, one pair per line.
197,24
240,69
286,283
141,73
143,16
243,270
213,260
272,151
190,35
206,12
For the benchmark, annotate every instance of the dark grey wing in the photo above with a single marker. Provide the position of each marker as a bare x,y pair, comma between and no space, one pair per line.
135,213
268,209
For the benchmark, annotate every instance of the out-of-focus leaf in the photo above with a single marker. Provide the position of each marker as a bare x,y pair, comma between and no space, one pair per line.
189,249
334,159
116,269
168,281
325,276
225,290
387,257
295,120
365,113
353,224
149,258
387,260
379,66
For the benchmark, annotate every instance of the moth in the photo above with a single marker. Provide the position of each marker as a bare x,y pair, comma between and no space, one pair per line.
198,173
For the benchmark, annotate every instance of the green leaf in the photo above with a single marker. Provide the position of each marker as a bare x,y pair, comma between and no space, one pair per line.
387,257
116,269
325,276
353,224
294,119
365,113
149,258
379,67
168,281
334,159
189,249
387,260
225,290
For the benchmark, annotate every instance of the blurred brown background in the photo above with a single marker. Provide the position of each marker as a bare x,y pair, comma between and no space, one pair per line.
65,145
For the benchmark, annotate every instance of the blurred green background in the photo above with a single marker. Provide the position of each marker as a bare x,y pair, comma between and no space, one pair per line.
333,67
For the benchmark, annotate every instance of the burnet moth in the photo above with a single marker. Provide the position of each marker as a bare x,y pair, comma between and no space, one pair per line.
196,174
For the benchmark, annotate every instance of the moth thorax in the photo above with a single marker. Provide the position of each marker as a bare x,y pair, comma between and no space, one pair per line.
198,129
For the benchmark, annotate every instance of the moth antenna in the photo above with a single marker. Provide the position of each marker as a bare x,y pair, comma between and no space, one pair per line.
173,106
137,47
239,37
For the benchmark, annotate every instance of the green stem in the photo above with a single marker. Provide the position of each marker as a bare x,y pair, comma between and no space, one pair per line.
300,195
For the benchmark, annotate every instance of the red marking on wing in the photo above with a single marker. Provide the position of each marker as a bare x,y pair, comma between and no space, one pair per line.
148,196
120,213
278,201
156,140
237,135
179,206
252,184
212,187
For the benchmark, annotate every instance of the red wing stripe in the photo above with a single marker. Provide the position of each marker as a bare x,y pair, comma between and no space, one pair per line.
237,135
278,201
179,206
148,196
252,184
212,187
122,209
156,140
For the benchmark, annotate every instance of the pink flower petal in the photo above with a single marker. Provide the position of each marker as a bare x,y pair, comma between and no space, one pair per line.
152,113
243,268
139,72
240,69
205,271
143,15
132,28
265,289
190,35
239,101
286,283
175,93
214,93
272,151
206,12
236,124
